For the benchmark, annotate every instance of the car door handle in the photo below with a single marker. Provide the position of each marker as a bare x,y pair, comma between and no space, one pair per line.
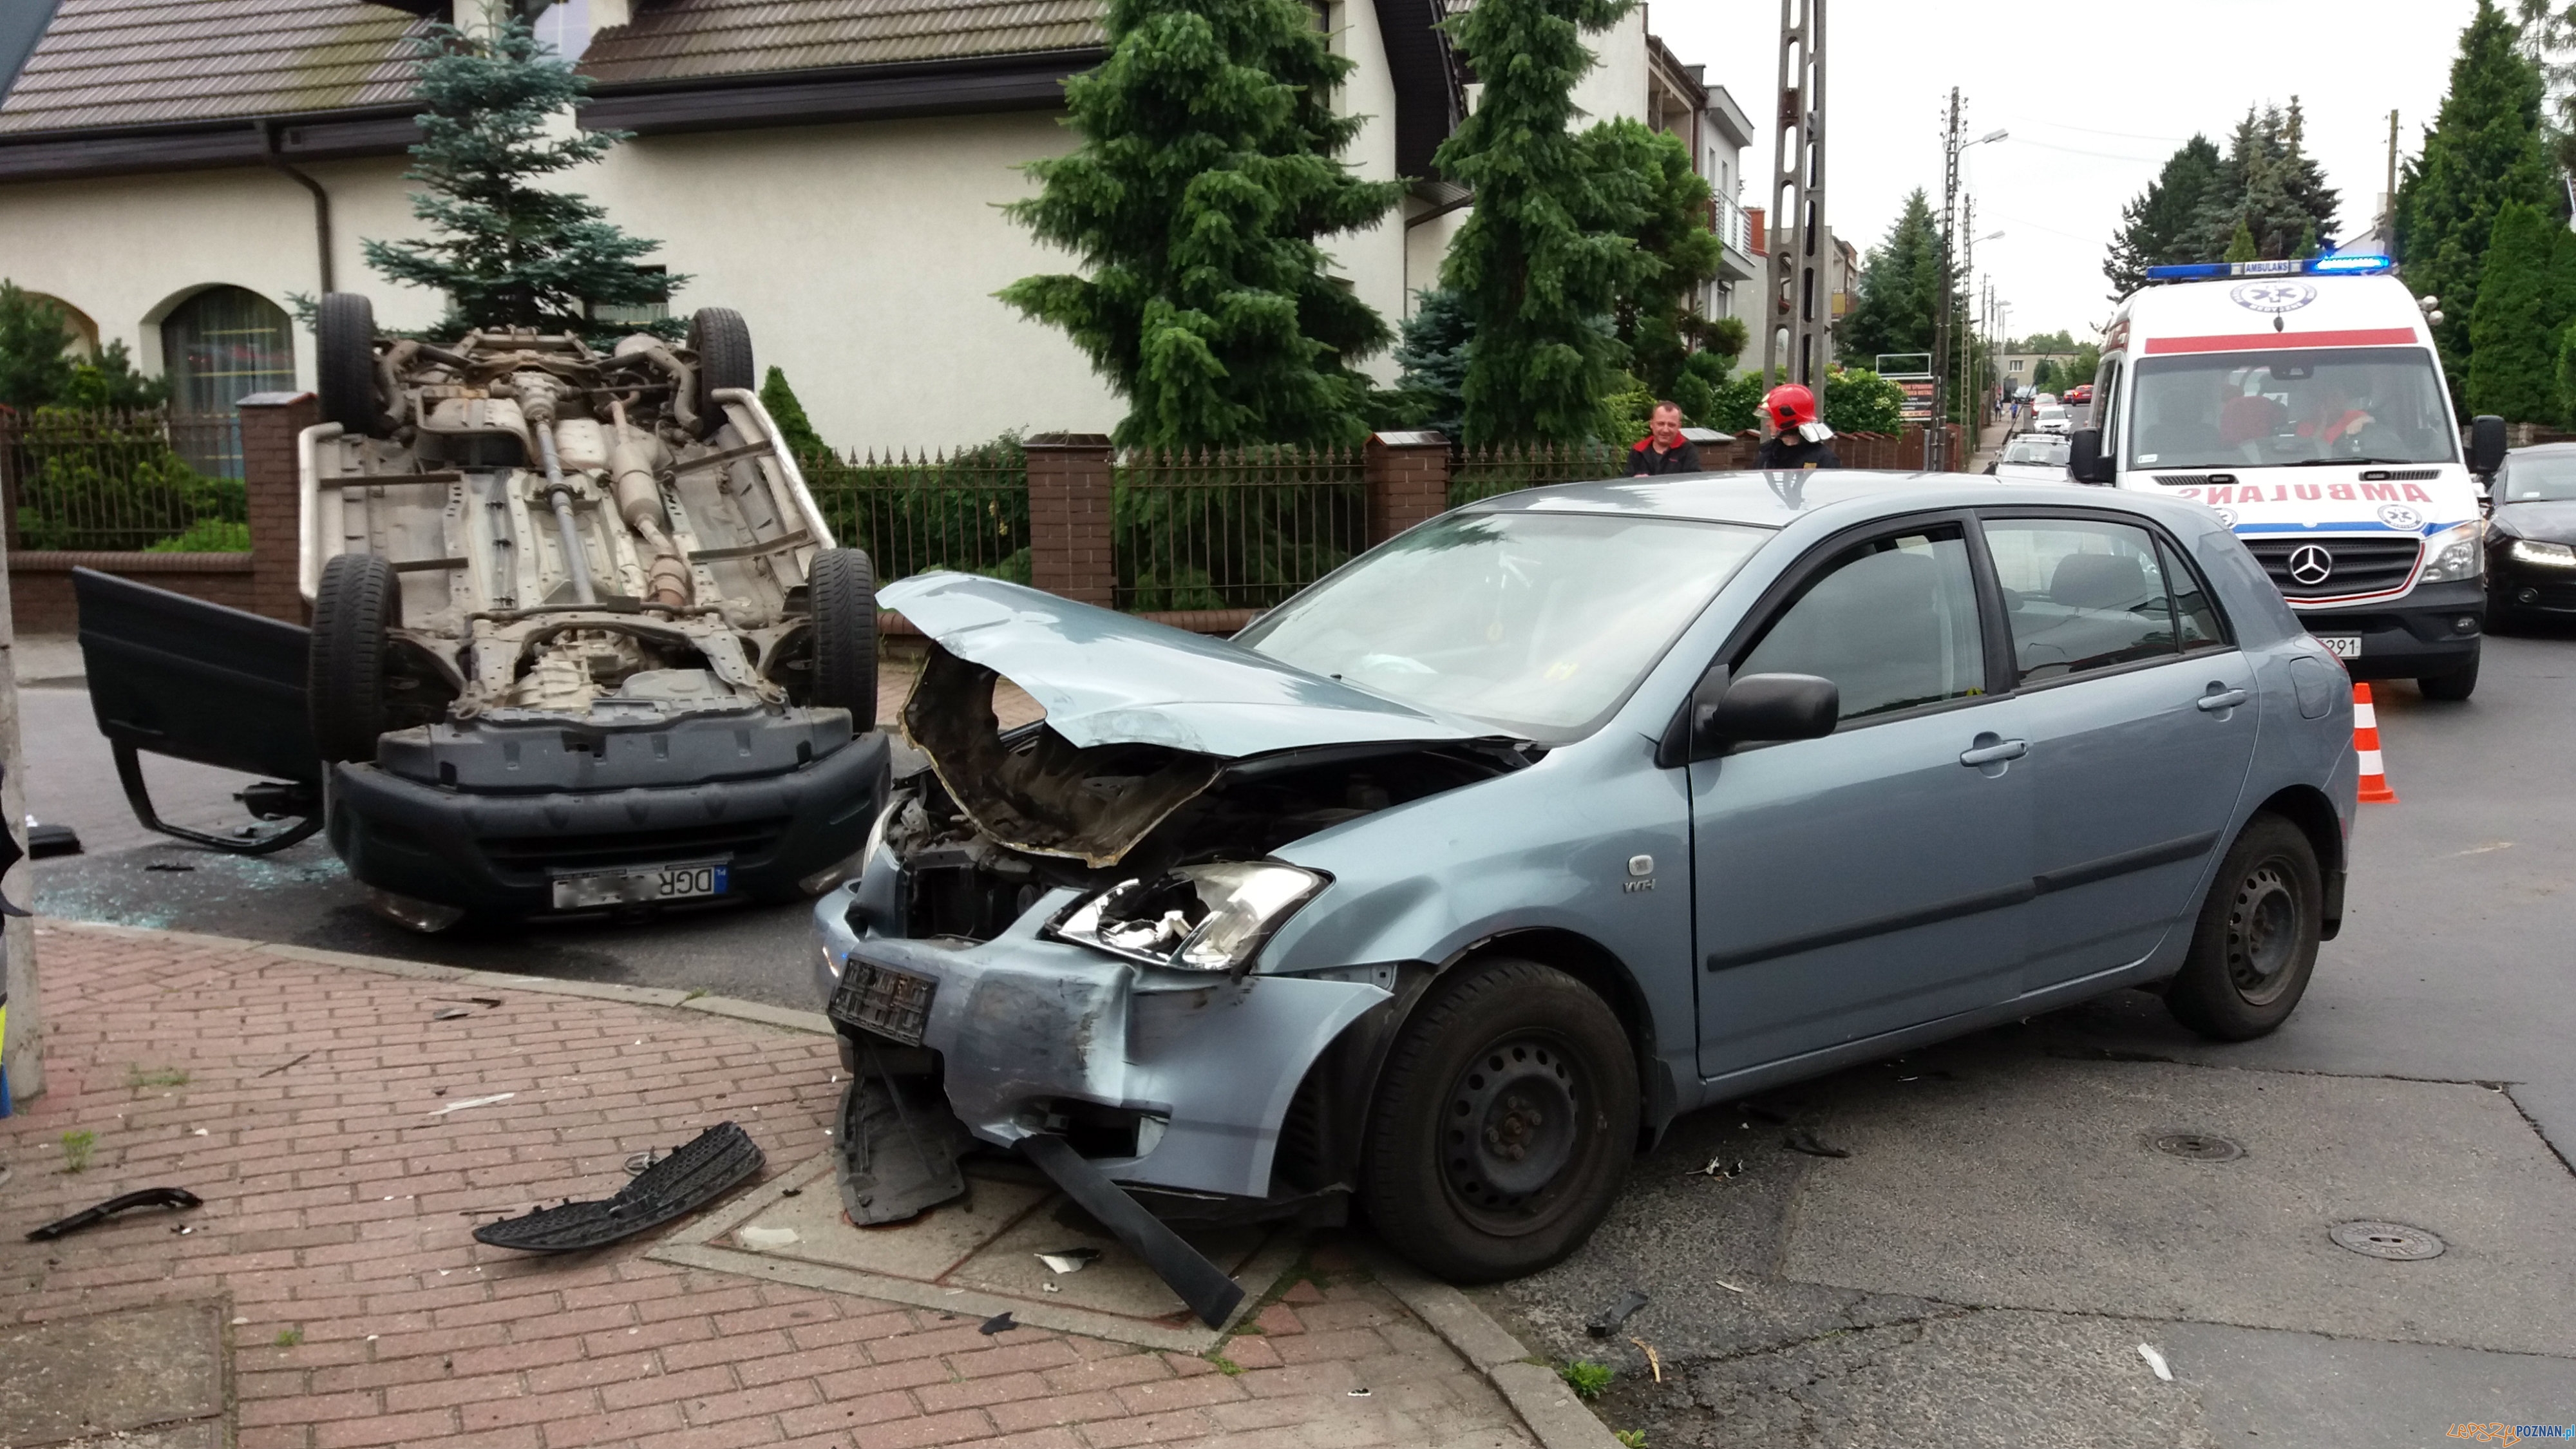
1996,753
2212,703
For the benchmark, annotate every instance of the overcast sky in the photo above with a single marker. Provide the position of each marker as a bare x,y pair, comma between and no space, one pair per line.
2095,96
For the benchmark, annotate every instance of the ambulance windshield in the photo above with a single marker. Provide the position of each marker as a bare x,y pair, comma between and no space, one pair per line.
2283,409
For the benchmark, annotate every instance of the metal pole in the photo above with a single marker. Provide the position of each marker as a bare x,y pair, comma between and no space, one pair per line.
1935,457
1795,322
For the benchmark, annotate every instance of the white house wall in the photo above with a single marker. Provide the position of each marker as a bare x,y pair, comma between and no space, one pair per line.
1616,84
864,256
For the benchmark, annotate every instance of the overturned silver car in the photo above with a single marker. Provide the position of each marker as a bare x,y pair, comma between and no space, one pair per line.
580,638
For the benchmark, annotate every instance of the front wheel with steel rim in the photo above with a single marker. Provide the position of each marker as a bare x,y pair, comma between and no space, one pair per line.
1504,1122
2255,944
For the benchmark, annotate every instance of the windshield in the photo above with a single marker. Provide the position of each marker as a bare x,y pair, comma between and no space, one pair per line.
1536,622
2536,478
2047,452
2278,409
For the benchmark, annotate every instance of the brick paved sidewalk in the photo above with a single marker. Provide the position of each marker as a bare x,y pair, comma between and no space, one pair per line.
337,1210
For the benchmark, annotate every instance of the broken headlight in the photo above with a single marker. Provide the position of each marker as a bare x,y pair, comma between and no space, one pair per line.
1196,917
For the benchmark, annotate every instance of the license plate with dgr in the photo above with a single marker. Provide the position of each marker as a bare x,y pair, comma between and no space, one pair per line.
639,887
2341,646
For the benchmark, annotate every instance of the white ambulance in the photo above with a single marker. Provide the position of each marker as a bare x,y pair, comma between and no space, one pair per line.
2304,401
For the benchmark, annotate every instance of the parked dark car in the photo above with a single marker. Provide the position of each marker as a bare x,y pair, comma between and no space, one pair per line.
2531,537
1465,870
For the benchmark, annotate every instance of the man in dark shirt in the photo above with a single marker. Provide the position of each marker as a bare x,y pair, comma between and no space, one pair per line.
1663,449
1801,440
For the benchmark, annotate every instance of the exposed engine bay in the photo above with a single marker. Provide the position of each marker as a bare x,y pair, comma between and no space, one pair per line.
1159,841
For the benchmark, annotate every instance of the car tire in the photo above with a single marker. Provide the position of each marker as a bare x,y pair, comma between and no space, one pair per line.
2454,686
2255,944
842,590
1543,1064
357,602
722,342
344,332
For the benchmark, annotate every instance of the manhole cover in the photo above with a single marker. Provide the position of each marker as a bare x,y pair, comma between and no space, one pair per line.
2394,1241
2198,1146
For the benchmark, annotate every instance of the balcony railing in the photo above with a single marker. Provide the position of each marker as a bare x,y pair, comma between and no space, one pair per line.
1732,225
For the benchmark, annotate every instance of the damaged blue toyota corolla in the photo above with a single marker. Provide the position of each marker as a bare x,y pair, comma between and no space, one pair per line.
1457,876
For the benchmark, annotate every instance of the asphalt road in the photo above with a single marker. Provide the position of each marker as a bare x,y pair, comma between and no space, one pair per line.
1983,1266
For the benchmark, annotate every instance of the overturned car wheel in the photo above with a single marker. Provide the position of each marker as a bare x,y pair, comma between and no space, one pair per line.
357,601
842,587
722,342
345,369
1504,1123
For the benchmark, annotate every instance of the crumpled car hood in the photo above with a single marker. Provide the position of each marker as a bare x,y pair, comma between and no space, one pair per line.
1141,718
1111,678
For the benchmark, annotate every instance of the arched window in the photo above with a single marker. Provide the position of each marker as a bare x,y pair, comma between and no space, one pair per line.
224,344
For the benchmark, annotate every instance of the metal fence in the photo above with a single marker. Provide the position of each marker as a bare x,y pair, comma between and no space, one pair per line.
1483,472
966,510
124,481
1241,528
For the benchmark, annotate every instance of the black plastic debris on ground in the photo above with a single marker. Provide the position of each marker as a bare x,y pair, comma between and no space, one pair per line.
998,1323
1608,1321
168,1197
702,1170
1802,1140
46,841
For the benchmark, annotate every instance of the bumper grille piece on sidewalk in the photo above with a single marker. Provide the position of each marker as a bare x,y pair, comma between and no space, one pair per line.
705,1168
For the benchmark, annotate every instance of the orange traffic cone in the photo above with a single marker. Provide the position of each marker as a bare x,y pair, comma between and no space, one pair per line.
2365,742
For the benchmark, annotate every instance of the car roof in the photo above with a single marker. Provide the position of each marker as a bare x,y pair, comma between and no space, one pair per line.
1778,499
2553,450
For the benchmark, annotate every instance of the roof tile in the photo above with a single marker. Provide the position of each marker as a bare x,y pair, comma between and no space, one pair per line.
705,39
157,62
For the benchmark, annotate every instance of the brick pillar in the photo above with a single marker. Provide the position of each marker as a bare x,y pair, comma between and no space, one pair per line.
270,422
1070,539
1408,481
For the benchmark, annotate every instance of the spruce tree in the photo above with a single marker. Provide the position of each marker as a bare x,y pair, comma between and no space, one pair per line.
2514,327
1207,175
1545,255
1655,316
2241,246
1433,356
2156,227
2485,149
2269,187
509,251
1900,290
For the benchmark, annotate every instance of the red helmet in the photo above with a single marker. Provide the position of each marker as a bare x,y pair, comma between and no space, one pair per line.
1790,404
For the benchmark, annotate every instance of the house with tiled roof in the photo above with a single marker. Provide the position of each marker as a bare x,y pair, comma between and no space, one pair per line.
171,171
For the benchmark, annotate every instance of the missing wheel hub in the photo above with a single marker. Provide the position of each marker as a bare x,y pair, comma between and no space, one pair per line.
2394,1241
2197,1146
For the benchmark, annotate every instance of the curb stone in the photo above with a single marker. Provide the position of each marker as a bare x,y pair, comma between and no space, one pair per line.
1534,1391
1544,1403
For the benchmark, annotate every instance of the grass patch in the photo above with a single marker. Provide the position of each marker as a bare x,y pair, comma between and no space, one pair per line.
1586,1378
76,1150
289,1337
1224,1365
140,1076
1629,1438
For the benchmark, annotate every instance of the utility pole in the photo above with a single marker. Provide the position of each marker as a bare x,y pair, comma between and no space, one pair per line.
1935,457
1794,338
2388,198
1967,334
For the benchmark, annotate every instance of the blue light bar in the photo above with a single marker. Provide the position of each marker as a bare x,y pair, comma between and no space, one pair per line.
2347,266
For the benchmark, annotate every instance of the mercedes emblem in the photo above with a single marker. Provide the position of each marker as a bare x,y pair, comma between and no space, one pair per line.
2310,565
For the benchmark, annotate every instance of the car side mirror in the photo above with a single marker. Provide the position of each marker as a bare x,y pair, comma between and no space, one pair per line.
2486,445
1762,708
2084,456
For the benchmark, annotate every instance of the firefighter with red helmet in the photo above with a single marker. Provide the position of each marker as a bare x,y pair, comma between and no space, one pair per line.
1799,438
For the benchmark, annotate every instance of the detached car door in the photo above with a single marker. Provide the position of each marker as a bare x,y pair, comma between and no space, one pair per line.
1872,879
2141,717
